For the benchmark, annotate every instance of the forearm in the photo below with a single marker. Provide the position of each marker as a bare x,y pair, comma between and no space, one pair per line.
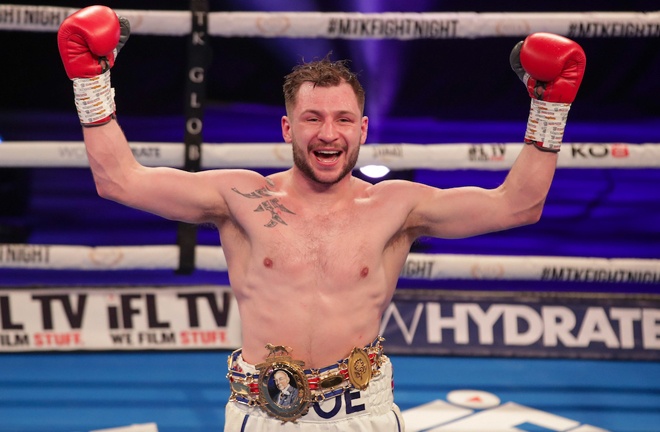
528,183
110,159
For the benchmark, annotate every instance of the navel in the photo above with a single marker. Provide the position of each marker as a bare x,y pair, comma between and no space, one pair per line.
365,272
268,263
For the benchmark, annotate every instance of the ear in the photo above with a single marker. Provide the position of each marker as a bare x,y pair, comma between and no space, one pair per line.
364,127
286,129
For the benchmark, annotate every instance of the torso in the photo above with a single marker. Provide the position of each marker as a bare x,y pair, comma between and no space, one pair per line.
317,279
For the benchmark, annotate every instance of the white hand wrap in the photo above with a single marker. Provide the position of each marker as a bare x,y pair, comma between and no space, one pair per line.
95,99
546,124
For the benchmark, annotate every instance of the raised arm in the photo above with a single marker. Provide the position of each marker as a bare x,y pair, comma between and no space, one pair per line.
552,68
89,41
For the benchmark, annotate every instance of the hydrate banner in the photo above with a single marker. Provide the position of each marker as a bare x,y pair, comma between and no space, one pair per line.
529,324
141,318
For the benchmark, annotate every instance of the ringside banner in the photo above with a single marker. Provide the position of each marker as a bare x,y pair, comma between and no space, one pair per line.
437,322
529,324
140,318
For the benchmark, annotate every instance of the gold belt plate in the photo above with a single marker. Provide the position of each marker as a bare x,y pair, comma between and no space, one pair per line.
359,368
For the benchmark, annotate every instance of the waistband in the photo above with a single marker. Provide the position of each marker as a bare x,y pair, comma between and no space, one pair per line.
250,387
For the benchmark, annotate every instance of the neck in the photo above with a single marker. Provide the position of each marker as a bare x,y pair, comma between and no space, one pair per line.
314,191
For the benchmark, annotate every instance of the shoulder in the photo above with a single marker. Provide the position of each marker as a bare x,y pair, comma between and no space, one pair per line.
403,189
230,180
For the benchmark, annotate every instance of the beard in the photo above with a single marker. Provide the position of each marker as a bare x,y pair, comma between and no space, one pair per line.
301,162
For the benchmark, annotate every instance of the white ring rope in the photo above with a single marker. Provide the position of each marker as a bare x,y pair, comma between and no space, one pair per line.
485,156
417,266
338,25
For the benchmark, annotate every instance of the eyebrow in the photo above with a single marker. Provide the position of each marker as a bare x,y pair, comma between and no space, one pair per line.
341,112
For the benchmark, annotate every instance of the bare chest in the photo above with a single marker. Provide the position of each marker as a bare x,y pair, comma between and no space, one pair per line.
330,244
278,239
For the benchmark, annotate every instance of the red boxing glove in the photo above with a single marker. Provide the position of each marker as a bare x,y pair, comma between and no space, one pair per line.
552,68
89,41
86,41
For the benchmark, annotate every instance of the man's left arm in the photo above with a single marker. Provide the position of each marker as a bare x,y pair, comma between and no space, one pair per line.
551,67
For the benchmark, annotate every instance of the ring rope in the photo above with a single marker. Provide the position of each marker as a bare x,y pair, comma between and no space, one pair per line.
484,156
354,25
417,266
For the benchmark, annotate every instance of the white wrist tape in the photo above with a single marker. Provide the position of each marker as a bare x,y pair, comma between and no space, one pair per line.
546,124
95,98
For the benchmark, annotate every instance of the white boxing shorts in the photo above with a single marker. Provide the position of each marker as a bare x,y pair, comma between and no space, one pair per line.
372,409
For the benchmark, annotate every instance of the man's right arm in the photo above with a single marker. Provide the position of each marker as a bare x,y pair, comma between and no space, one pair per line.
171,193
89,41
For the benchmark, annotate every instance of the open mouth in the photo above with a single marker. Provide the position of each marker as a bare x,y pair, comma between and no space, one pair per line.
327,156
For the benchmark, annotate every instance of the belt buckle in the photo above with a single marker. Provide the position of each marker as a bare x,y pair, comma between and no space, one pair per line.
280,367
359,368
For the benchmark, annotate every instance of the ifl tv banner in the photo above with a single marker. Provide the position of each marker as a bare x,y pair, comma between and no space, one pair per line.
140,318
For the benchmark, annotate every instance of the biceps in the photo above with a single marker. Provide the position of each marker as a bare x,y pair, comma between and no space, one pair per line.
460,212
175,194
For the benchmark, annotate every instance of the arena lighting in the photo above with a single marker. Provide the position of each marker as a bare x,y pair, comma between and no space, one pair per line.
375,171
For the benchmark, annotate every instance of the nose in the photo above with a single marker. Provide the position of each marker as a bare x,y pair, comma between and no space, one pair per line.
328,131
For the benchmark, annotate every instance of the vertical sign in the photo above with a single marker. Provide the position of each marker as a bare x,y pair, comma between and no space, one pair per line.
195,93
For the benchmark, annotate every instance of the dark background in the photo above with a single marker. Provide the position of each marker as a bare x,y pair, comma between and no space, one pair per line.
421,91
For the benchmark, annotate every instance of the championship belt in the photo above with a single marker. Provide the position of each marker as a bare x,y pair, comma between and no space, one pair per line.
285,390
279,365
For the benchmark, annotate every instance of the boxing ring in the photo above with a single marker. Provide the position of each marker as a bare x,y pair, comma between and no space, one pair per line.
528,321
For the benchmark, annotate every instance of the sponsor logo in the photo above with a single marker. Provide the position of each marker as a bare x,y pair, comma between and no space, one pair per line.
32,16
387,152
511,27
273,25
146,152
487,152
613,29
16,254
546,329
120,319
404,28
599,151
581,274
107,257
487,271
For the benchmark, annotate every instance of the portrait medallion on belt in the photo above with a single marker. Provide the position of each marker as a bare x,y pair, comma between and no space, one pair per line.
284,391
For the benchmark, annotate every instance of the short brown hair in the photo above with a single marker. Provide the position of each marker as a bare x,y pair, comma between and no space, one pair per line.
322,73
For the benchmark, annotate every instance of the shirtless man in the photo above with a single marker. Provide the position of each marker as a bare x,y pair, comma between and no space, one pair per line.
328,245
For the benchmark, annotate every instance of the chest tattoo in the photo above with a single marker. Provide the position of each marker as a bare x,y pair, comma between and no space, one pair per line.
259,193
272,206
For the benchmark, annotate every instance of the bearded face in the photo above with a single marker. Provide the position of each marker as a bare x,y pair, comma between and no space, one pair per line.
326,129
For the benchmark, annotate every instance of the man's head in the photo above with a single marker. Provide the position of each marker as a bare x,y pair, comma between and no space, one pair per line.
325,122
281,379
321,73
